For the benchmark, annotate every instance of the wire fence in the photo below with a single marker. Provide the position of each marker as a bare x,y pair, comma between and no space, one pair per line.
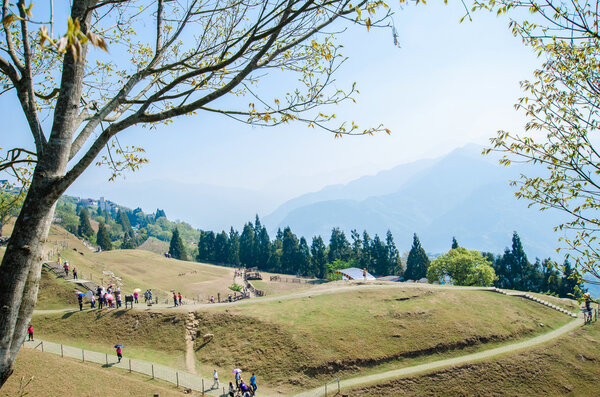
156,371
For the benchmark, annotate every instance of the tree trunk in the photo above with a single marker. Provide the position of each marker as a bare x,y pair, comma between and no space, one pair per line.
20,271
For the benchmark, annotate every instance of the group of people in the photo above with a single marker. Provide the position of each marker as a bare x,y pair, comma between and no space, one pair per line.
177,299
241,388
147,296
109,297
66,269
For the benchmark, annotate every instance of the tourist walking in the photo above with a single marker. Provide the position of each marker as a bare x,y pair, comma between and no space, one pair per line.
253,383
74,273
92,302
135,296
231,390
215,384
80,300
175,299
30,333
119,352
66,267
179,296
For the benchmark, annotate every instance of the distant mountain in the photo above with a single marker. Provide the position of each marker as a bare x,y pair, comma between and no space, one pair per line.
463,194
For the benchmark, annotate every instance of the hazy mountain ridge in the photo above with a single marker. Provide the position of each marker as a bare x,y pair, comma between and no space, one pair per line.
463,194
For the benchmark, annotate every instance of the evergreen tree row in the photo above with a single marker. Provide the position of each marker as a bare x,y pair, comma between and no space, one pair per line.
289,254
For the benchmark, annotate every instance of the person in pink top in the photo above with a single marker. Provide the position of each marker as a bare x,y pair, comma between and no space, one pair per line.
135,297
119,352
30,332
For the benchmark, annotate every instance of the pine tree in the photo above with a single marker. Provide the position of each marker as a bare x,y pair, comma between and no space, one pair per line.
454,243
247,256
85,228
356,245
365,255
569,282
262,244
289,252
417,262
206,247
159,213
103,239
176,247
221,244
339,247
123,220
378,257
393,256
518,264
303,261
233,249
318,252
129,242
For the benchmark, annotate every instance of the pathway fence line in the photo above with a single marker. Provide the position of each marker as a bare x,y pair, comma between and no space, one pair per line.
176,377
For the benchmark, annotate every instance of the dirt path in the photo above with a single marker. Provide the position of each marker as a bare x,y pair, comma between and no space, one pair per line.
331,288
191,331
428,367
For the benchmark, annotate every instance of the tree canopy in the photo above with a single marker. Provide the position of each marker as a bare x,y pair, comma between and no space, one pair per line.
561,104
463,266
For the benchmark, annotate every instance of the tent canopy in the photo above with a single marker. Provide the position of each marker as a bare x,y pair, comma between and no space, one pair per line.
354,273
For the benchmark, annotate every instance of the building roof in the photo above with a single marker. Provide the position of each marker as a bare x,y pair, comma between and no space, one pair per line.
354,273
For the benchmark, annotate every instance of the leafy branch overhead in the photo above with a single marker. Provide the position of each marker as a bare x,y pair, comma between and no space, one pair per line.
561,104
198,53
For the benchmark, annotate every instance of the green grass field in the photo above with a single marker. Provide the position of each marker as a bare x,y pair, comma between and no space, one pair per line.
565,367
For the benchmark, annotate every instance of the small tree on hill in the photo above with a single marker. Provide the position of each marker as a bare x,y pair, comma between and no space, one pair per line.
417,262
103,239
176,248
454,243
85,228
465,267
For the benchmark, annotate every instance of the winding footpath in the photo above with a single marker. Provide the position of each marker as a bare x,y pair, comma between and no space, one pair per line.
436,365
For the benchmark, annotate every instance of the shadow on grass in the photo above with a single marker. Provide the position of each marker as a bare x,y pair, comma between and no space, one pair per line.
202,345
69,314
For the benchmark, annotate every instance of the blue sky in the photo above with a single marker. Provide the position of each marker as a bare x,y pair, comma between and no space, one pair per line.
447,85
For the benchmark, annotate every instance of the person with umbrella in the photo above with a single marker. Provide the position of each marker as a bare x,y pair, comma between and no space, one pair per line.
237,376
80,296
119,351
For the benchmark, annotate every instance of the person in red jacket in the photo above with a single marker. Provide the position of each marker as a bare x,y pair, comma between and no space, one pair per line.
30,332
119,352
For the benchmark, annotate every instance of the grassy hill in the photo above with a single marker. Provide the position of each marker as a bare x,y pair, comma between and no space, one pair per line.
565,367
56,376
150,336
295,343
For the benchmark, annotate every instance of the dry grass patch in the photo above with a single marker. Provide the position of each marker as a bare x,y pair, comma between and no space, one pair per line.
156,337
279,287
566,367
56,376
55,292
155,245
